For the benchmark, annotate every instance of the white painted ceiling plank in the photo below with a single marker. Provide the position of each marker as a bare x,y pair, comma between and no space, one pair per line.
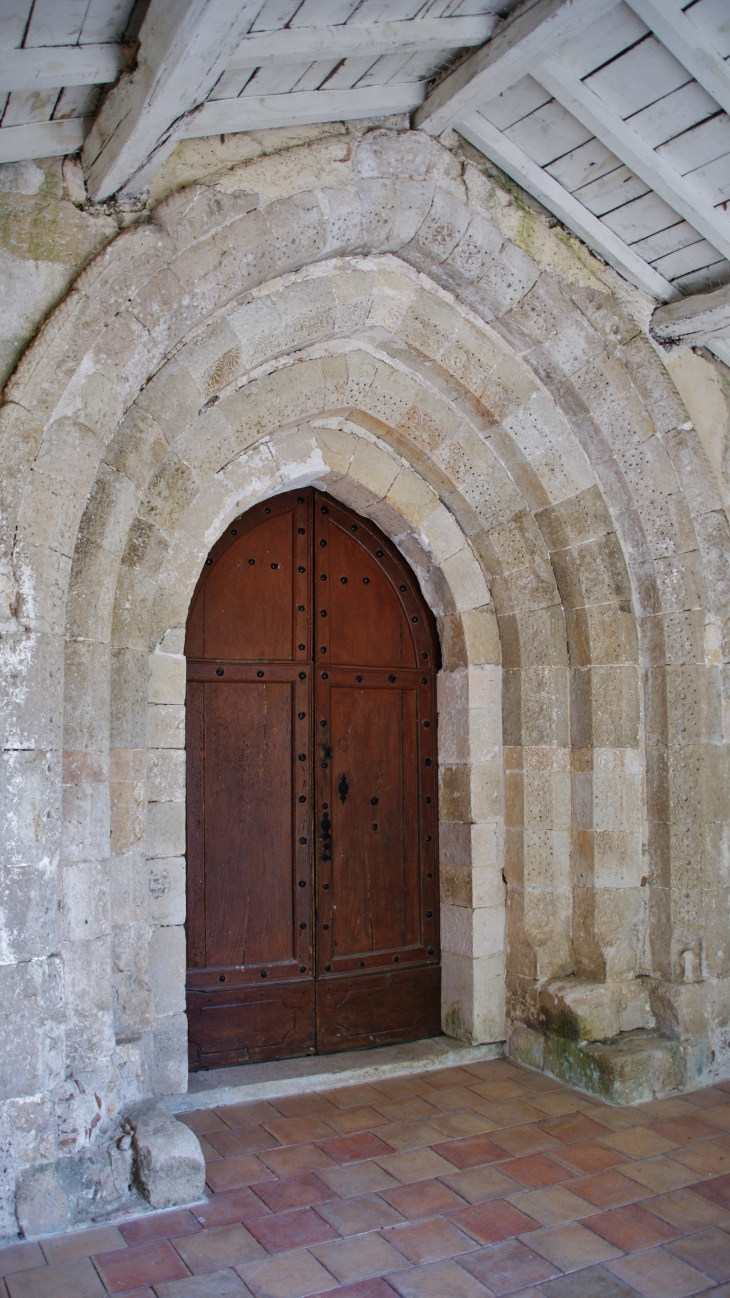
13,22
584,165
609,192
296,44
713,19
671,239
25,106
62,65
638,77
695,320
185,45
699,145
641,218
548,133
227,116
603,40
604,122
674,113
688,44
55,22
720,347
525,38
512,105
43,139
479,132
704,281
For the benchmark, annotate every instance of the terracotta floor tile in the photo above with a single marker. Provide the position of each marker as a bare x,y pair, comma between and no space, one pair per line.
348,1097
618,1119
295,1159
717,1189
299,1131
359,1258
593,1282
230,1143
294,1192
409,1135
296,1229
639,1142
659,1174
74,1279
526,1139
375,1288
201,1121
429,1241
496,1091
632,1228
572,1127
462,1122
451,1098
158,1225
358,1178
406,1109
298,1106
572,1246
437,1280
133,1267
510,1113
555,1103
414,1165
685,1131
291,1275
588,1156
422,1199
399,1088
688,1211
353,1216
708,1158
83,1243
242,1115
707,1251
490,1223
216,1284
20,1257
470,1151
209,1153
501,1069
442,1077
229,1173
211,1250
719,1116
481,1184
362,1117
353,1149
509,1267
657,1274
229,1206
608,1189
537,1171
667,1109
553,1206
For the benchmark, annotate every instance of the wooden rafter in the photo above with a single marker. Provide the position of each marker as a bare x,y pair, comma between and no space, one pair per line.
296,108
348,40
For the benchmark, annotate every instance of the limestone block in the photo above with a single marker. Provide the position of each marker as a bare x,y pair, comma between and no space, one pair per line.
127,813
166,828
29,800
373,468
487,790
170,1051
20,437
614,403
211,273
525,1045
481,635
42,576
167,968
166,775
28,909
336,446
479,244
439,233
166,890
92,588
169,1164
296,229
85,832
505,279
84,901
86,688
166,311
32,1033
133,1000
167,678
129,690
166,724
250,242
354,293
172,400
126,354
169,492
128,887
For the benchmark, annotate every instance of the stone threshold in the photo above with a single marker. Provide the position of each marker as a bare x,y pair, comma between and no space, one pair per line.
212,1087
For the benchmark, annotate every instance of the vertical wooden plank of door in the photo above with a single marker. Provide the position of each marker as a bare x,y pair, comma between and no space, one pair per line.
195,829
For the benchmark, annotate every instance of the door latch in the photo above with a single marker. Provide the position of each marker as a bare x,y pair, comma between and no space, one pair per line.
343,788
326,836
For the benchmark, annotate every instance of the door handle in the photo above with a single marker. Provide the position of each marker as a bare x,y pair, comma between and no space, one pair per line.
343,788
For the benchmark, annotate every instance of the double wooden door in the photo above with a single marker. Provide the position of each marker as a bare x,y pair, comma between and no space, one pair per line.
311,790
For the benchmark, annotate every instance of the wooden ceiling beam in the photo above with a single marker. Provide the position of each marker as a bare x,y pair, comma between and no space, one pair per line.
524,39
701,319
348,40
300,107
50,66
185,45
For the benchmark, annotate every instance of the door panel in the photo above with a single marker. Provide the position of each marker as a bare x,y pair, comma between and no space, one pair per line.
312,905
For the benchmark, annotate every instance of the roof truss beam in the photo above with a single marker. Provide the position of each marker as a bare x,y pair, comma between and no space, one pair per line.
693,321
688,44
184,47
300,107
620,137
297,44
525,39
507,155
46,67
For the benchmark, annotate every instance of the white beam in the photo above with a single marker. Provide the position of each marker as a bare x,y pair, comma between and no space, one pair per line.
507,155
299,107
297,44
184,47
43,139
701,319
49,66
528,36
688,44
680,193
721,349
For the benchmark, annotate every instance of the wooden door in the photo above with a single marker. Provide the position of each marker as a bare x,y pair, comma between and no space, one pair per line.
311,790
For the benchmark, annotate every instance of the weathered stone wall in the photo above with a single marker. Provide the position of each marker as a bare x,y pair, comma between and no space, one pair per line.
372,312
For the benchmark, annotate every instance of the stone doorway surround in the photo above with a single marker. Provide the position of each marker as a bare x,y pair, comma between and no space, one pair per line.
357,319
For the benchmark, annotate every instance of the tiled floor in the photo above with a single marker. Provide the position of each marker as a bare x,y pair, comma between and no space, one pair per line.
484,1179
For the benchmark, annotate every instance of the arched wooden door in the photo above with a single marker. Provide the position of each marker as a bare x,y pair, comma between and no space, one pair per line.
311,790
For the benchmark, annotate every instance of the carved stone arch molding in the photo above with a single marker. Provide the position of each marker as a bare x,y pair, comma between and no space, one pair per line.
361,322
